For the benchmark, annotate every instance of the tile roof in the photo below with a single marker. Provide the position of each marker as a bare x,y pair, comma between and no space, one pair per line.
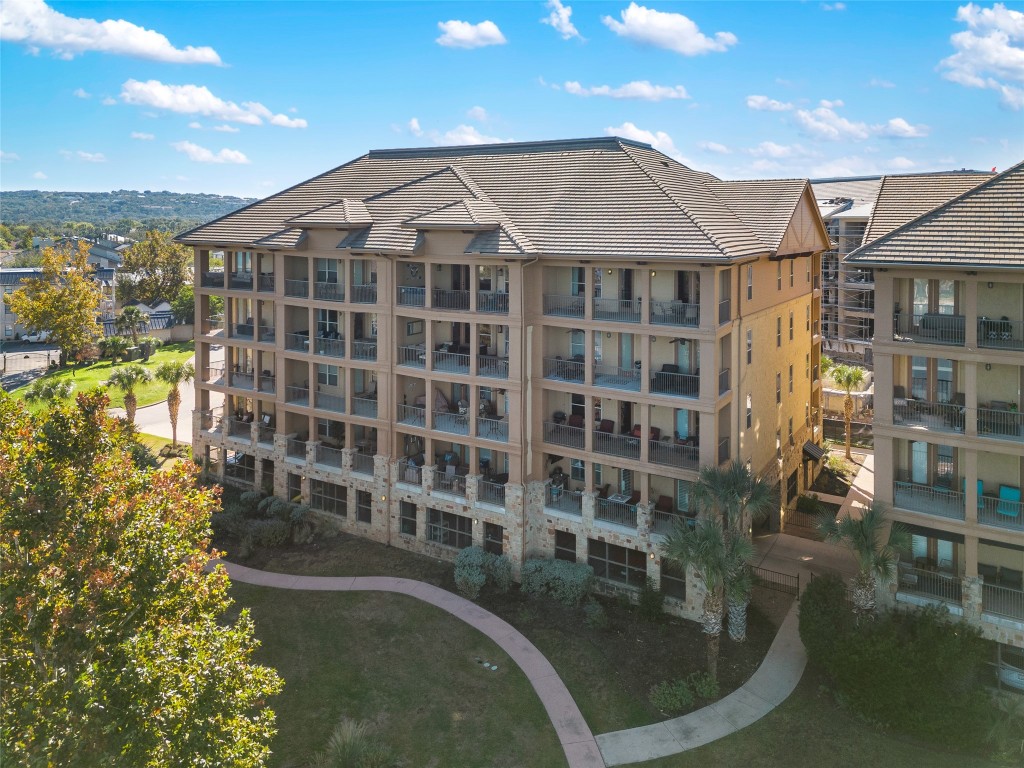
983,226
903,198
286,238
862,190
587,197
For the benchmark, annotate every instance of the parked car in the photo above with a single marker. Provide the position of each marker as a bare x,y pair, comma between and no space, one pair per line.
37,337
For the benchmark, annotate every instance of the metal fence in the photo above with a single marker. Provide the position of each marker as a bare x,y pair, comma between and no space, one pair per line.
780,582
861,433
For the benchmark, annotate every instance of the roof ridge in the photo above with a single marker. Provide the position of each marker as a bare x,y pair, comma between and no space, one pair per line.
511,229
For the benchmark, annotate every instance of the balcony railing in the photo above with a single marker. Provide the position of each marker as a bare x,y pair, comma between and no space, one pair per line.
265,434
329,456
1000,334
413,356
327,402
296,342
240,281
666,522
491,303
452,423
364,294
212,280
619,310
930,328
214,374
364,406
561,434
609,377
492,429
625,446
296,288
409,473
930,584
445,483
675,313
240,380
676,384
936,417
363,349
564,306
266,283
929,500
1002,601
1001,513
294,395
213,325
568,502
492,493
724,451
329,291
564,370
1001,423
330,347
412,416
492,367
412,296
724,311
267,334
268,384
362,463
241,330
208,422
238,428
669,454
444,298
296,448
451,362
724,381
618,512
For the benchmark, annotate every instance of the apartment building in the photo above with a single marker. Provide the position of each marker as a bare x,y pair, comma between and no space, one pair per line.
527,347
949,374
12,278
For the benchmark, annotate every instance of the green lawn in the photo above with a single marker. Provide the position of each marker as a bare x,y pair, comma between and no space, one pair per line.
407,667
88,377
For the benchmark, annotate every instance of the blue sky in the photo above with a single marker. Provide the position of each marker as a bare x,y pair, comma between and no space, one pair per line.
248,98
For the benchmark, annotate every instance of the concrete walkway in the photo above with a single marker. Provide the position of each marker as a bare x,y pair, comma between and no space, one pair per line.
573,732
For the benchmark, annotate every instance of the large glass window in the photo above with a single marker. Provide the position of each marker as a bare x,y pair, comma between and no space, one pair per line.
494,536
327,324
364,509
328,497
579,281
565,546
449,529
327,375
407,518
615,563
326,271
673,579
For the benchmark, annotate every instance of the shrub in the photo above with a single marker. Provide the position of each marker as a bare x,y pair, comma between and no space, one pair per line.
474,568
469,581
671,696
276,508
594,615
809,505
652,601
566,582
269,533
230,521
500,571
703,685
825,616
250,502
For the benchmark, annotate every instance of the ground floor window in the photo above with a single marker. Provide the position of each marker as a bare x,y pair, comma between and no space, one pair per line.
407,518
295,488
328,497
364,512
615,563
791,485
565,546
449,529
494,536
673,579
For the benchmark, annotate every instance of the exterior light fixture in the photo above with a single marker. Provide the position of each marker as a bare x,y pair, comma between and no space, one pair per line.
654,273
383,498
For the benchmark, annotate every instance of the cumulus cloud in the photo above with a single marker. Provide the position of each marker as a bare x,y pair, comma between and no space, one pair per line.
777,151
108,101
467,134
898,128
199,154
764,104
988,53
88,157
660,140
225,128
561,19
877,82
139,136
672,31
477,113
715,147
81,93
462,34
902,163
825,123
199,100
638,89
8,157
833,6
195,125
39,175
414,127
35,25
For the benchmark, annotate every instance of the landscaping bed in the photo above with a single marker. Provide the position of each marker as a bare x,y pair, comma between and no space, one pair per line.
837,474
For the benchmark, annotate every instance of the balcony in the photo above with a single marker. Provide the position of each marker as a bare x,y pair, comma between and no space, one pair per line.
329,456
564,306
1000,334
618,512
666,522
618,310
1005,513
363,349
931,585
364,294
933,416
267,334
240,429
294,395
930,328
296,342
213,326
566,502
452,423
492,367
669,454
669,382
268,384
557,369
449,483
492,429
492,493
240,281
329,347
451,362
213,375
296,449
364,406
409,473
412,356
626,379
492,303
625,446
265,434
1001,422
362,463
562,434
675,313
266,283
212,280
1002,601
724,381
412,416
329,291
936,500
298,289
412,296
240,380
456,301
334,403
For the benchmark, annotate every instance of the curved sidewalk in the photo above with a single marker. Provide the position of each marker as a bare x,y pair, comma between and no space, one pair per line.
574,734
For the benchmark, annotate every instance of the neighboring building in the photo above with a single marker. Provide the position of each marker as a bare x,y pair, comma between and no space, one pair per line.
11,279
949,376
528,347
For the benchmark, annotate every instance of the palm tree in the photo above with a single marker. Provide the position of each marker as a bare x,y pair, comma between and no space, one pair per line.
114,347
148,345
175,373
130,320
876,560
48,391
713,557
738,499
848,377
127,379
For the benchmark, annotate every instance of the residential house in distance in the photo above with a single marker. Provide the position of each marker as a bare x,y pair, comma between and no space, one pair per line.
11,279
527,347
949,377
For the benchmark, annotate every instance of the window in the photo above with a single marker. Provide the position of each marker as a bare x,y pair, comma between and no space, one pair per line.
577,470
364,510
778,442
294,487
579,405
792,268
626,566
449,529
493,538
778,275
565,546
673,579
778,331
791,379
577,343
597,476
790,326
327,375
750,345
326,271
807,366
791,487
597,282
808,319
579,281
750,282
778,388
328,497
790,430
407,518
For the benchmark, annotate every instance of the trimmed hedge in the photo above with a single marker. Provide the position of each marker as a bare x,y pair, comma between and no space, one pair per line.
568,583
474,568
825,616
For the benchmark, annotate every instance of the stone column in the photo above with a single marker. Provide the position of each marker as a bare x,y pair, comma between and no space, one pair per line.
346,460
381,501
589,507
428,478
518,501
972,598
473,489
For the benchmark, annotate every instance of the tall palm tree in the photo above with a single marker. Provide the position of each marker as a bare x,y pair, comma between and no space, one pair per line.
713,556
175,373
130,321
848,377
48,391
876,559
114,347
738,499
127,379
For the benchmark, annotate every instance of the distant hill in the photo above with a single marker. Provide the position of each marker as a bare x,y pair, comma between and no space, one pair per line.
114,210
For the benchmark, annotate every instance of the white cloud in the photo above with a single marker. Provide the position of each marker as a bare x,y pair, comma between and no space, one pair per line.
660,140
902,163
877,82
833,6
638,89
8,157
898,128
467,134
108,101
39,175
986,56
195,125
34,24
777,151
462,34
561,19
715,147
138,136
672,31
414,127
203,155
827,104
764,104
825,123
225,128
81,93
477,113
198,100
91,157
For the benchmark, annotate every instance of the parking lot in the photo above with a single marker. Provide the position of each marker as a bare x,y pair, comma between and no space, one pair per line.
22,363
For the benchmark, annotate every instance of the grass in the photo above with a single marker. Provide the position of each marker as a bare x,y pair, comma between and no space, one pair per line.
88,377
156,445
407,667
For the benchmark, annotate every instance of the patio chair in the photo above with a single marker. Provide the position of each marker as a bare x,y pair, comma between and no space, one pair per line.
1009,501
607,426
981,490
899,402
603,493
989,573
634,498
576,420
664,504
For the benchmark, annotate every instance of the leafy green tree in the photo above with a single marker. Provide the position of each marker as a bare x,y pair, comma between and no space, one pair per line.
127,379
154,269
175,373
848,377
876,557
48,391
114,347
130,321
64,300
117,650
183,306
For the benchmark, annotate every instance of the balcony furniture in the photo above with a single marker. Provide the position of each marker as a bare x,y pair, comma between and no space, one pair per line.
621,498
558,417
899,402
995,330
603,492
981,491
956,412
996,419
664,504
576,420
607,426
660,381
1009,501
948,328
634,498
990,573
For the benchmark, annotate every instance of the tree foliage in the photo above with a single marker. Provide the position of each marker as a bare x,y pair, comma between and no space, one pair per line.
131,320
154,269
127,379
116,648
847,377
175,373
63,300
